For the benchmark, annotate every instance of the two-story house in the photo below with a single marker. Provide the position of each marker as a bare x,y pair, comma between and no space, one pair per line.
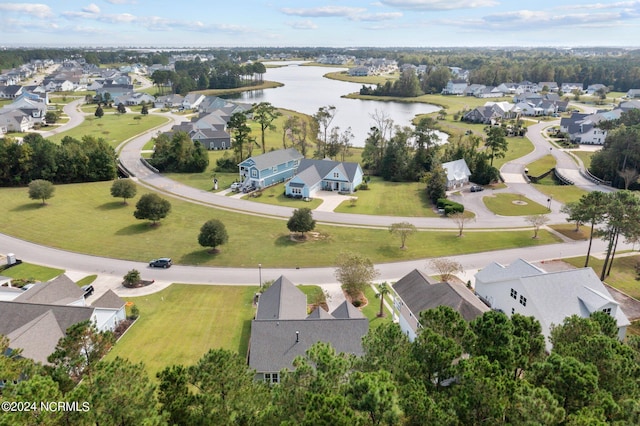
270,168
327,175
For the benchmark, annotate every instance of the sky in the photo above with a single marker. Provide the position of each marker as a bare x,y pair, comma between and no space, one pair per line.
327,23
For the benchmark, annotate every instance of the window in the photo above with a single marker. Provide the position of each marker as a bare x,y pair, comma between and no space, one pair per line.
523,300
336,175
514,293
254,173
513,311
274,169
271,378
607,311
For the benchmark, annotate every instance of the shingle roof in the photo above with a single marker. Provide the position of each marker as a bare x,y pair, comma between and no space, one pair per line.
419,293
282,300
274,158
38,338
59,291
109,300
457,169
320,313
312,171
347,310
273,345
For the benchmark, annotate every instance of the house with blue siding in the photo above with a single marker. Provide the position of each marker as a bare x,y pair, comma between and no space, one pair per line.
326,175
270,168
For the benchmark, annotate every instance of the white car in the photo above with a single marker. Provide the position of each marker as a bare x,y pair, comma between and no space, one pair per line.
235,186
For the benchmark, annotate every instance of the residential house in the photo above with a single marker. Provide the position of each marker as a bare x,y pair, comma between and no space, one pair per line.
270,168
582,128
138,98
282,330
115,90
488,92
550,297
570,87
629,105
633,93
10,92
326,175
417,292
34,320
15,121
169,101
457,173
487,114
551,86
359,71
593,88
455,87
192,100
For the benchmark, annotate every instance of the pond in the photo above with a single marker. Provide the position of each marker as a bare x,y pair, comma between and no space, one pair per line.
305,90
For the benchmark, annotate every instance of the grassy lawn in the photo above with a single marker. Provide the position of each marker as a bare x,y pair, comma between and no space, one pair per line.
623,274
518,147
275,195
569,231
87,280
370,79
372,309
220,92
391,199
450,103
542,165
585,156
507,205
562,193
85,218
113,128
182,322
31,271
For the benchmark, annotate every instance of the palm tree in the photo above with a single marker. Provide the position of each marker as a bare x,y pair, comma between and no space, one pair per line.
383,290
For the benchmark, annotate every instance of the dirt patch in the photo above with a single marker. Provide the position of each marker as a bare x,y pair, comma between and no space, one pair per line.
309,236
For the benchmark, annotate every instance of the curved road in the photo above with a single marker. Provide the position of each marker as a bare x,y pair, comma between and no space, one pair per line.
130,157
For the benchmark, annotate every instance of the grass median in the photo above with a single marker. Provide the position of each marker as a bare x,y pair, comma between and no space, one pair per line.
85,218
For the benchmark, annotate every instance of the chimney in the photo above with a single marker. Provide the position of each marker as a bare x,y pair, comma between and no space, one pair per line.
297,336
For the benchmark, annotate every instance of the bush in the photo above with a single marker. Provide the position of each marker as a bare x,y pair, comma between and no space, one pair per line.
449,206
362,187
226,164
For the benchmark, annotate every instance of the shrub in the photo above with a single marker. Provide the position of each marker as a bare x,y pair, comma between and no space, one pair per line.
449,206
362,187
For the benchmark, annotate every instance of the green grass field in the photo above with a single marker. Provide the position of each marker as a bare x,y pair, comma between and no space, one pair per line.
85,218
562,193
585,156
31,271
507,205
541,165
569,231
275,195
372,309
182,322
370,79
391,199
113,128
518,147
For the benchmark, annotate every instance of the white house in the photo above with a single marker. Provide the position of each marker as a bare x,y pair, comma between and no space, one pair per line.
455,87
550,297
457,173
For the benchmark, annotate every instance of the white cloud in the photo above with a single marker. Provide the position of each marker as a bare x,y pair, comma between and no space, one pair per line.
92,8
303,25
324,12
121,1
439,4
37,10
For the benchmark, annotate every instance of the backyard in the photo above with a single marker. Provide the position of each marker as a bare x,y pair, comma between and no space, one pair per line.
182,322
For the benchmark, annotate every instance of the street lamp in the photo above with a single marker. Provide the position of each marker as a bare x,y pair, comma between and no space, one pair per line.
260,274
549,203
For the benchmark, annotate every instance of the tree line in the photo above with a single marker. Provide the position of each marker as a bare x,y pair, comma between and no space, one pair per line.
492,370
89,159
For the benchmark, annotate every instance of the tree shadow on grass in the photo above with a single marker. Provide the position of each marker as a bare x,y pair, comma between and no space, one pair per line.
113,205
137,228
198,257
28,207
391,251
285,241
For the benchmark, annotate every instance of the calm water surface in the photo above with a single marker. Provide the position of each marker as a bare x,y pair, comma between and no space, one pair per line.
305,90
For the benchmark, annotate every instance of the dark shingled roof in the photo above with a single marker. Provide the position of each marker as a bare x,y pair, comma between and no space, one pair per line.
109,300
59,291
282,301
319,313
273,345
347,310
420,293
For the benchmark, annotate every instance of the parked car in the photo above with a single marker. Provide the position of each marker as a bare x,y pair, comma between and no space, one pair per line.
163,262
88,290
235,186
476,188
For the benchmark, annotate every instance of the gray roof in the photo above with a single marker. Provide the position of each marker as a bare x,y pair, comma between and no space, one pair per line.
456,169
320,313
312,171
497,272
274,158
419,293
36,328
59,291
282,300
347,310
109,300
273,345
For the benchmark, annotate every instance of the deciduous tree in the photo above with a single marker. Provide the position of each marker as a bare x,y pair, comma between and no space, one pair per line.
152,207
537,221
354,272
446,267
461,219
301,221
213,234
402,230
123,188
41,189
